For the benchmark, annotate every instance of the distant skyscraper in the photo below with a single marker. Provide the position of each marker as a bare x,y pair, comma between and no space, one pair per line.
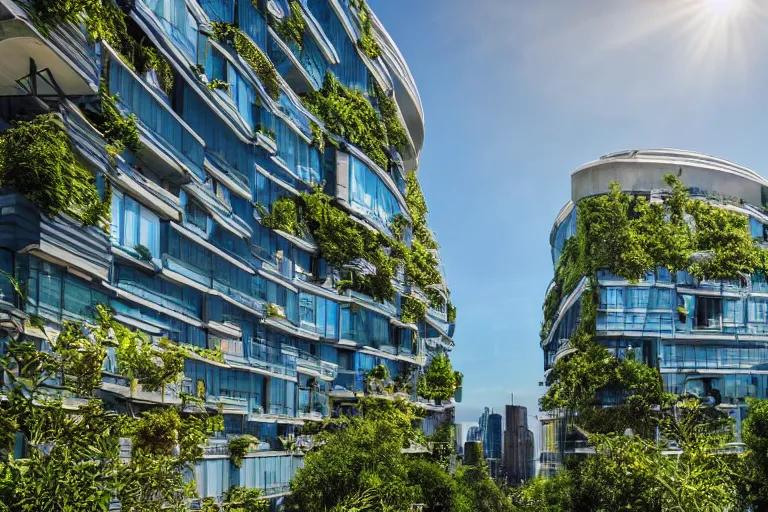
483,424
492,445
475,434
519,449
530,453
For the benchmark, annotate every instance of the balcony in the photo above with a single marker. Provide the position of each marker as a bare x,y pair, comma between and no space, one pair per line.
220,212
173,147
60,240
261,355
64,57
148,192
253,305
306,363
228,175
229,404
122,386
198,276
160,300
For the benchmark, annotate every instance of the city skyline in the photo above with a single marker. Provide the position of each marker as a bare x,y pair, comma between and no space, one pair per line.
552,87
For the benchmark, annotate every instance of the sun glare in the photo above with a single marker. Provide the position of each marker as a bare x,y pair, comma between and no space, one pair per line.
722,7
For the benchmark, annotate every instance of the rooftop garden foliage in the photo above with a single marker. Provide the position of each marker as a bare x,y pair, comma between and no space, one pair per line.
259,63
629,236
38,160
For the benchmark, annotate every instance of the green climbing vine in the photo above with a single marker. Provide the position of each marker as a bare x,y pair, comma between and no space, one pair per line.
348,114
367,43
291,28
629,236
239,446
152,59
417,206
412,310
259,63
318,137
283,215
37,159
451,313
396,134
119,131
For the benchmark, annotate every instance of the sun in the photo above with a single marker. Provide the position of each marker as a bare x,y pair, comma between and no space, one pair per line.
723,7
720,6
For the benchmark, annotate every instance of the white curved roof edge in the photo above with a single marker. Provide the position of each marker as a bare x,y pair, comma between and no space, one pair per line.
676,157
401,66
396,63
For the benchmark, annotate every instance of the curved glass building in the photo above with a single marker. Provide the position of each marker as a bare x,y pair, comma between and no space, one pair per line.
207,237
706,337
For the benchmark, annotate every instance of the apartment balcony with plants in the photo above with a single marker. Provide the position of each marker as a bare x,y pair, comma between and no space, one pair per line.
222,197
688,300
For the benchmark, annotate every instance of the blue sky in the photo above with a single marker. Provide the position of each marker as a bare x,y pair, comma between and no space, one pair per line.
517,93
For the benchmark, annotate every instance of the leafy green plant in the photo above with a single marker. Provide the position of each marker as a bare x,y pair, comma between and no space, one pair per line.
239,446
417,206
150,58
451,313
367,43
396,134
120,131
272,311
318,137
81,359
412,310
348,114
259,63
212,354
218,84
260,128
283,215
143,252
37,159
242,499
439,381
291,28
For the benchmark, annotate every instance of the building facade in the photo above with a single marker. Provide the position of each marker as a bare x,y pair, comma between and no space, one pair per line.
474,434
195,245
518,447
493,445
706,337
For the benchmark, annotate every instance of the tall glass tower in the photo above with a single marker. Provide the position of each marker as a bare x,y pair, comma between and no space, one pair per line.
214,173
706,337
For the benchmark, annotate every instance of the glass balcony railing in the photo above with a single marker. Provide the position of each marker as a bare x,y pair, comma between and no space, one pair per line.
156,116
270,358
